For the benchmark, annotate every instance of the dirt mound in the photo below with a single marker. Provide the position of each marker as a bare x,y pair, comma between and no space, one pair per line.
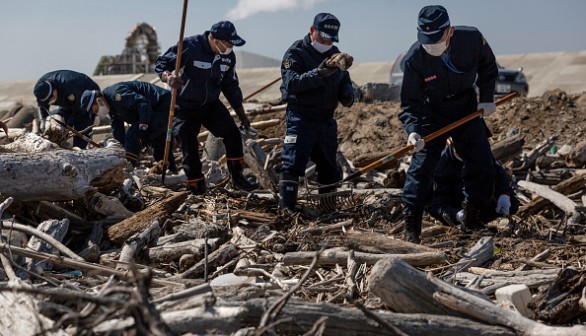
374,127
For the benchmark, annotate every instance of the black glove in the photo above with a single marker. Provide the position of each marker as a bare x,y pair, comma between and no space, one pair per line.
347,98
324,71
242,116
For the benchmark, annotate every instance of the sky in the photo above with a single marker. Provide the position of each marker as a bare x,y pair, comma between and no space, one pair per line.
38,36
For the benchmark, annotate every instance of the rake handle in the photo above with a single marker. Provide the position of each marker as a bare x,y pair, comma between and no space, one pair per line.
405,149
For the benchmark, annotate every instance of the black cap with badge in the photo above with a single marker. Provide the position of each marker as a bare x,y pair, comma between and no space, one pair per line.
432,23
225,31
328,26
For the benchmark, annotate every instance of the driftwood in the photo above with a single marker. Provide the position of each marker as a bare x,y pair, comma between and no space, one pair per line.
405,289
334,256
118,233
30,143
219,257
48,210
569,186
298,317
478,254
133,246
108,206
577,157
482,310
59,175
170,252
82,265
559,302
378,243
19,315
559,200
508,148
491,280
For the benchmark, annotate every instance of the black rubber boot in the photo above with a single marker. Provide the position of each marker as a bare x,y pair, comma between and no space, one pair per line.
288,186
412,225
471,217
239,182
198,186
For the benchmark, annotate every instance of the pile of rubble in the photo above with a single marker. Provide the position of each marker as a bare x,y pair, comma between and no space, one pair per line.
92,247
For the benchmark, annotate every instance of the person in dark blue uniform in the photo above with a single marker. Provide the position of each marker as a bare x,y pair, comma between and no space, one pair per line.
312,91
208,68
448,196
144,107
441,69
64,89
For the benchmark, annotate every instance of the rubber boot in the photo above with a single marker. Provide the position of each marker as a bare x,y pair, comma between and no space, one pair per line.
197,186
471,217
412,225
288,186
239,182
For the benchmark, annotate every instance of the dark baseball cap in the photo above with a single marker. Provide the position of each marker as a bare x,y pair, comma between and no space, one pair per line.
328,26
225,31
43,91
432,23
87,100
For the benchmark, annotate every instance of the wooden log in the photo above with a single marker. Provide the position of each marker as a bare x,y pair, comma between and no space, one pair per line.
405,289
31,143
569,186
559,200
482,310
59,175
508,148
531,157
118,233
382,243
140,240
170,252
558,303
48,210
19,316
108,206
297,317
219,257
333,257
491,278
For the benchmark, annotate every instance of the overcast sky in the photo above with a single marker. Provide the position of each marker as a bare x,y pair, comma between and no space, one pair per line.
38,36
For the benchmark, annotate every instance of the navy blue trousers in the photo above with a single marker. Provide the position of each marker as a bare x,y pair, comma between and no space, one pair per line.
216,119
307,139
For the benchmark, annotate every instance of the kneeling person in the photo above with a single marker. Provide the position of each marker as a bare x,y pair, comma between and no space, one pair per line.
144,106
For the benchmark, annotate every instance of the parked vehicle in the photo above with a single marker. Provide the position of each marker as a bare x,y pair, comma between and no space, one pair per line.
508,80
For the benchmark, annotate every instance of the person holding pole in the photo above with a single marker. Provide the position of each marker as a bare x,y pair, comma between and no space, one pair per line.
64,89
441,71
208,68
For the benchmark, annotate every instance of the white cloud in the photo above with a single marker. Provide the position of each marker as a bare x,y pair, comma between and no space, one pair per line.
246,8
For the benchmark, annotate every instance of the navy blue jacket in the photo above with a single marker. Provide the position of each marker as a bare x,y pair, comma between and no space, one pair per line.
303,89
433,94
70,86
135,102
205,73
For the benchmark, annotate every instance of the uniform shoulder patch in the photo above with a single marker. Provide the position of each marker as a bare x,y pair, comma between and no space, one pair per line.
71,97
117,97
287,63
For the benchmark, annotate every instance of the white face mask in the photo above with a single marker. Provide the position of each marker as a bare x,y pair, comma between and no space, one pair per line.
322,48
226,52
103,111
436,49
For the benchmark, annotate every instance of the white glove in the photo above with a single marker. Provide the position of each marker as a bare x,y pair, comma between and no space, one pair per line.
488,108
503,205
460,216
415,140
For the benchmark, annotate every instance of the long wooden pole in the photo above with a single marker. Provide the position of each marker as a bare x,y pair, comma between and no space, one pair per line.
76,132
174,94
403,150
